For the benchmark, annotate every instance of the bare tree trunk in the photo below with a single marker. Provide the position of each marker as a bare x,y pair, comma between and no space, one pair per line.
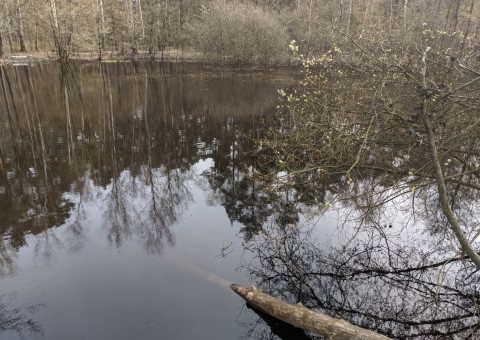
456,15
100,28
10,44
131,22
390,19
309,36
36,25
467,30
437,11
365,16
7,27
304,318
166,27
1,46
340,17
59,42
102,22
405,30
156,40
441,187
180,18
443,197
20,28
448,15
141,21
349,16
53,9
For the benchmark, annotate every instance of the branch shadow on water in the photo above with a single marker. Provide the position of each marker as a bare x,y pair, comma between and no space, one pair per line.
17,319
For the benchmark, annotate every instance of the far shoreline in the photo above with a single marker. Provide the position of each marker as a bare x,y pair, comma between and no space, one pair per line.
168,55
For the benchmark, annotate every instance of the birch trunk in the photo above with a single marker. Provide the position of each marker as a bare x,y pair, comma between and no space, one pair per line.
59,43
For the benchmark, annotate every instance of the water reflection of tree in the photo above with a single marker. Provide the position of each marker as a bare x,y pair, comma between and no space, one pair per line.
99,115
169,196
379,280
16,319
30,203
236,185
378,283
7,255
133,132
162,191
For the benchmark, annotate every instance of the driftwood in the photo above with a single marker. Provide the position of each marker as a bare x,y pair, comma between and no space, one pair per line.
304,318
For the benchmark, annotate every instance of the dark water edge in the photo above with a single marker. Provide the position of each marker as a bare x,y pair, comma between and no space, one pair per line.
110,229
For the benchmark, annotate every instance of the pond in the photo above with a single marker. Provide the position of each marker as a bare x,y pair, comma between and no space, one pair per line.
110,227
132,194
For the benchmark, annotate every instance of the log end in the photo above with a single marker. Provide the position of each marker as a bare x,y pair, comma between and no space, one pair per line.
240,290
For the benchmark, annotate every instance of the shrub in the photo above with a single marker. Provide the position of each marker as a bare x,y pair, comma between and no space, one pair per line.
238,33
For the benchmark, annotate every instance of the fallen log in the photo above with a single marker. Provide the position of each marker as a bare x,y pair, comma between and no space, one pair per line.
304,318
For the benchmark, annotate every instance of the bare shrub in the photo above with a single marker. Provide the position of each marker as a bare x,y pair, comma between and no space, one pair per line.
238,33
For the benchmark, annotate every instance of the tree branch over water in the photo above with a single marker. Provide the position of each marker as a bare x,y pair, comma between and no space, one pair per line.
379,121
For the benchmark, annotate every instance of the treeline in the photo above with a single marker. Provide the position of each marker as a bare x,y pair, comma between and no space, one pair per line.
248,31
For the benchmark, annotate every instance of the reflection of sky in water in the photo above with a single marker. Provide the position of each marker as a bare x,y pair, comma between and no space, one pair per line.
95,290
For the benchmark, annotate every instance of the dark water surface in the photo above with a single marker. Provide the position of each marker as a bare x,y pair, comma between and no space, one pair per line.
132,194
109,228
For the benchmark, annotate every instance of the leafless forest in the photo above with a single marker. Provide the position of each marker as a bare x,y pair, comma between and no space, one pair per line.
249,31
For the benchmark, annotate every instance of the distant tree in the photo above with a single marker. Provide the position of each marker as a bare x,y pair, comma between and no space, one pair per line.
101,28
61,41
21,34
